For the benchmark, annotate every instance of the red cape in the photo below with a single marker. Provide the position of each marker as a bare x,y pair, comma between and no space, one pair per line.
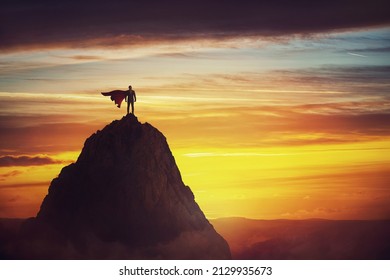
117,96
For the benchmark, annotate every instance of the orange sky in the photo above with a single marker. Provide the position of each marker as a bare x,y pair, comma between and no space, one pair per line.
270,129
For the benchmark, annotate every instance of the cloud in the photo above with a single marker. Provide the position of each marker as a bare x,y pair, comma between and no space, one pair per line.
324,82
317,212
359,79
365,123
41,185
12,173
44,133
6,161
372,50
238,154
356,54
86,57
27,24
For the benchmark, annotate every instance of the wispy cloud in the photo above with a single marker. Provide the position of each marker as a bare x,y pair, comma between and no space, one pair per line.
356,54
45,138
12,173
6,161
86,57
236,154
372,50
39,185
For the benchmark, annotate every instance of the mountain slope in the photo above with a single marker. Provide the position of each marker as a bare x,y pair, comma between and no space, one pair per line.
123,198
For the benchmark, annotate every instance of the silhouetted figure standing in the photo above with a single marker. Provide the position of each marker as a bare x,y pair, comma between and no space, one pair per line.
130,99
119,95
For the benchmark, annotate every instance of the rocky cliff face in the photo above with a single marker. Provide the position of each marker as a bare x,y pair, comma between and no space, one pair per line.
123,198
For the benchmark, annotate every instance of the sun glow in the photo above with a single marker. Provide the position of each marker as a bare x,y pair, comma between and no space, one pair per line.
294,127
287,175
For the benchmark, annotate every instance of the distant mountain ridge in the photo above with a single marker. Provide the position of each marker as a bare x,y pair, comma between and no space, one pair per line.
312,239
123,198
279,239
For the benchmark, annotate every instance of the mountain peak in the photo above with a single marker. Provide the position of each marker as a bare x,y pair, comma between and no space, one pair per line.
124,198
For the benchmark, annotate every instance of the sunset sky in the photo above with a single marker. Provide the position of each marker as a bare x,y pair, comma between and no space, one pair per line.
272,109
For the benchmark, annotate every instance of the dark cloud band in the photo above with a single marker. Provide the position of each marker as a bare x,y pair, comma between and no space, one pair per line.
25,24
6,161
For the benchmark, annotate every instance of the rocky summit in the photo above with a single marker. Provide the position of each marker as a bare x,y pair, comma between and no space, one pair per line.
123,198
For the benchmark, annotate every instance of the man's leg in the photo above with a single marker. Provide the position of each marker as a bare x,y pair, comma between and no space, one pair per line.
128,106
132,108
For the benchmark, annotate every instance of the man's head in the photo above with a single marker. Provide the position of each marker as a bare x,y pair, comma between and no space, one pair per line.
130,87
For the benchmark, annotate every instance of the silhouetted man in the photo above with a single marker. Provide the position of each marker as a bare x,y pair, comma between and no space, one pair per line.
119,95
130,99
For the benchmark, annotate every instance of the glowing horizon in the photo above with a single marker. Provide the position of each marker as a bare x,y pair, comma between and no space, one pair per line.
290,126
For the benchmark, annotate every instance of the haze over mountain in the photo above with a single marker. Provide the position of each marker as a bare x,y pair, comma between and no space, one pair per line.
123,198
313,239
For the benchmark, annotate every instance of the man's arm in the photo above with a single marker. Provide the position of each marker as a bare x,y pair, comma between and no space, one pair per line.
135,97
